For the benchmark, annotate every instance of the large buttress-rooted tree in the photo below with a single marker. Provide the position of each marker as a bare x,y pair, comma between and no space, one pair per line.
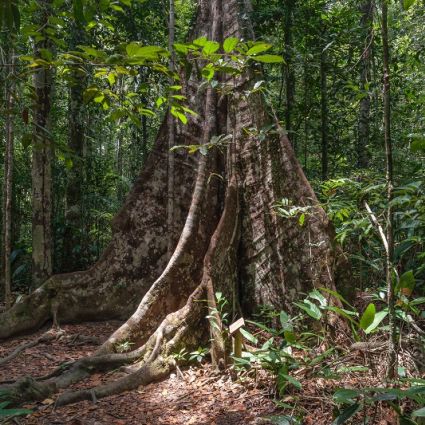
230,239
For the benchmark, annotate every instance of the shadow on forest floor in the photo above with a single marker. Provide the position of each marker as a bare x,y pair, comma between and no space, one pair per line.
200,397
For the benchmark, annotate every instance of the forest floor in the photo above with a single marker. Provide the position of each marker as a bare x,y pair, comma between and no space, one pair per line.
196,395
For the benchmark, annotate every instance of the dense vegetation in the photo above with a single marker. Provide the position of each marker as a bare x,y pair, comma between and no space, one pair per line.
82,105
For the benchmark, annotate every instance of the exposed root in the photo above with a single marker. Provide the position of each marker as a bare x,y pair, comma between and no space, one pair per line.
177,329
78,339
128,266
219,270
21,348
48,336
150,372
184,266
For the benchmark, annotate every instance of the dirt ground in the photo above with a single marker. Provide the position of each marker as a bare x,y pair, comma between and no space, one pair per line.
198,396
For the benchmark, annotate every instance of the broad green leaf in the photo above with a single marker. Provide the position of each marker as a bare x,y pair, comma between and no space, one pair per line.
379,317
337,296
210,47
248,335
345,395
182,117
316,295
407,4
420,413
368,316
311,309
258,48
208,72
91,51
181,48
415,390
268,58
404,420
406,283
297,384
117,114
201,42
134,50
385,397
230,44
284,319
12,412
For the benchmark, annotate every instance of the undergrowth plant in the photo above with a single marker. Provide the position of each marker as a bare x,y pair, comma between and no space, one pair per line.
283,345
6,411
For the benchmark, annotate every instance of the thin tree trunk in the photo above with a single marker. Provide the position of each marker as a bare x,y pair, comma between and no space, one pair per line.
324,113
171,136
8,182
306,108
42,163
392,350
366,23
289,71
73,242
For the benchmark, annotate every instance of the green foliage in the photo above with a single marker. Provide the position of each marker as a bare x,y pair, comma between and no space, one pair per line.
197,356
344,201
6,411
124,347
354,400
10,17
219,316
285,209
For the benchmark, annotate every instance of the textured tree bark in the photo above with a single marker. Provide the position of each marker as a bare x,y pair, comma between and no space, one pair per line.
230,239
42,163
72,240
171,133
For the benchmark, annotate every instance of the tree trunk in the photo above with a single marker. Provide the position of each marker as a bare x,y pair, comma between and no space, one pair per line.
392,343
171,133
230,239
306,107
289,71
72,239
366,23
324,113
42,162
8,181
